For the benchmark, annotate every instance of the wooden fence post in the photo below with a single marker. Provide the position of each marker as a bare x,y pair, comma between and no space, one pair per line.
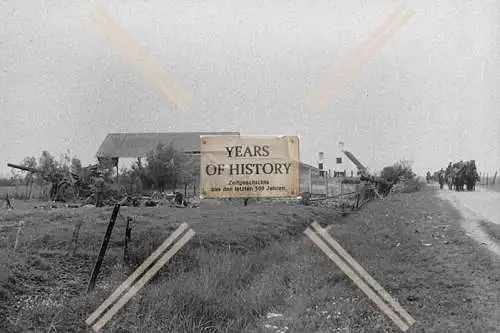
104,246
341,192
309,177
74,239
18,235
326,183
127,238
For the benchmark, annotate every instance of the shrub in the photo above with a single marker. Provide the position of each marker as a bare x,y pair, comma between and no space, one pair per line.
412,185
401,173
397,171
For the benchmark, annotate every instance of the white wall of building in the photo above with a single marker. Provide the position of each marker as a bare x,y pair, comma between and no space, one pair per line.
345,164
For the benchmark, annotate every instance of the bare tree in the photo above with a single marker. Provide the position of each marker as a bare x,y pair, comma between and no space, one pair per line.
76,166
17,180
48,169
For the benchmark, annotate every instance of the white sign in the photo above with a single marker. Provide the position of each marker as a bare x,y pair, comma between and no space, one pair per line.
249,166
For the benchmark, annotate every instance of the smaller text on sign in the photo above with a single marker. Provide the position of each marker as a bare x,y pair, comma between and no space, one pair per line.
249,166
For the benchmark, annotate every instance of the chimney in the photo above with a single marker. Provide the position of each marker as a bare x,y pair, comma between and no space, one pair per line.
320,163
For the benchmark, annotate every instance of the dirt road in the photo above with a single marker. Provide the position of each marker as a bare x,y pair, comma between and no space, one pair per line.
482,204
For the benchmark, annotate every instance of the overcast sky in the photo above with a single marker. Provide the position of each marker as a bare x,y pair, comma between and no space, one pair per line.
428,95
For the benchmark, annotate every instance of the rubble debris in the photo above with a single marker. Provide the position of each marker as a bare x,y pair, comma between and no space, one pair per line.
72,206
305,198
179,198
273,315
47,205
150,203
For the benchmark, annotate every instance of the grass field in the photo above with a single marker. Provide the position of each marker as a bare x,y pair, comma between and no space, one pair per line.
10,189
244,262
20,191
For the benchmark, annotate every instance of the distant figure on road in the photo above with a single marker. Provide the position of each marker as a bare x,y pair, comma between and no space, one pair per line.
450,179
428,177
449,168
441,178
475,174
99,190
471,175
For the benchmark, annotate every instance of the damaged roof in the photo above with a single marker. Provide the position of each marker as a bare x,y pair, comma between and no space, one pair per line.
132,145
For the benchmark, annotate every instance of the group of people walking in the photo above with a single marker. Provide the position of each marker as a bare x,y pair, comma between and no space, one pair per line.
457,176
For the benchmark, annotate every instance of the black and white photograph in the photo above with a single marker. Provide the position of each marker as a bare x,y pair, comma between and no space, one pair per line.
249,166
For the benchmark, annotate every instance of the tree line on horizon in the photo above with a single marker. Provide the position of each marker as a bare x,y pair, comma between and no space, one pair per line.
163,168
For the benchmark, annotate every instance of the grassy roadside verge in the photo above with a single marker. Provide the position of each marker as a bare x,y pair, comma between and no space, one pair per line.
492,229
247,261
415,247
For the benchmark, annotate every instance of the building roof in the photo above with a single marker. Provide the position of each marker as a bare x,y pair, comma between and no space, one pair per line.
132,145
